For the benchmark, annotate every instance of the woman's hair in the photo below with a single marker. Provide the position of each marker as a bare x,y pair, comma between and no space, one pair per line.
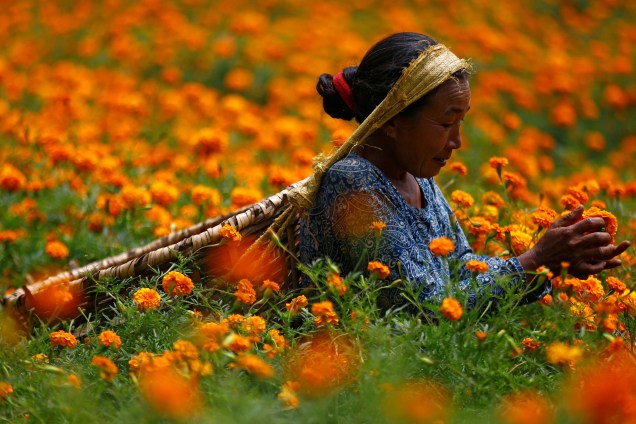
372,80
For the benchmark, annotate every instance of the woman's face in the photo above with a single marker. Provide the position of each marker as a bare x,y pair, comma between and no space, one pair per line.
425,139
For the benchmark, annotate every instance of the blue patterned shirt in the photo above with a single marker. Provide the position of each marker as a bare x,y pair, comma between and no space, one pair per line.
354,193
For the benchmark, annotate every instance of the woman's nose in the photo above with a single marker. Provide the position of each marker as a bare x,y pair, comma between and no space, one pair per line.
455,141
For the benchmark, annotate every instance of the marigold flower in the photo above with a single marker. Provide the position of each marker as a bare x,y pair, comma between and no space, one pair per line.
253,325
238,343
493,199
497,162
62,338
176,284
230,233
74,381
462,198
56,249
11,179
146,299
459,168
336,283
288,395
377,226
481,335
544,216
477,266
169,392
526,408
324,313
5,390
441,246
379,269
296,304
254,365
201,195
562,354
163,193
417,402
521,241
611,223
615,284
270,285
110,339
451,309
245,292
546,300
530,344
107,368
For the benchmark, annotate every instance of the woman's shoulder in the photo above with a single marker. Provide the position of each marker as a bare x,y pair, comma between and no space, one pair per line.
354,171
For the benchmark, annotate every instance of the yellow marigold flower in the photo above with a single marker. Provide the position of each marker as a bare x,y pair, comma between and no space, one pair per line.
40,357
170,393
451,309
253,325
62,338
379,269
336,283
56,249
186,350
530,344
107,368
544,216
562,354
288,394
296,304
270,285
254,365
74,381
611,223
441,246
477,266
5,390
234,319
497,162
459,168
176,284
462,198
146,299
230,233
377,226
521,241
245,292
324,313
110,339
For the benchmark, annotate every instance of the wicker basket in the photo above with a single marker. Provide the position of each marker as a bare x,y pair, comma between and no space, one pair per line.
200,242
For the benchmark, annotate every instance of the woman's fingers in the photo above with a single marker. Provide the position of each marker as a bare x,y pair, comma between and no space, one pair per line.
600,238
589,225
569,219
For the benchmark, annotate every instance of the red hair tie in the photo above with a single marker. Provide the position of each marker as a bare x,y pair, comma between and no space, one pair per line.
344,91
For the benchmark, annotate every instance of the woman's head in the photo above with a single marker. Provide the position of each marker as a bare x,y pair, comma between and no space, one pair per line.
372,80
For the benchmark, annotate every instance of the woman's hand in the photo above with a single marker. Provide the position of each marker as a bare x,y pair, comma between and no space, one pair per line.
581,243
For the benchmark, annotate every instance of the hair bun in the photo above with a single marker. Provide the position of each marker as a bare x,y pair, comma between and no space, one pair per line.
332,101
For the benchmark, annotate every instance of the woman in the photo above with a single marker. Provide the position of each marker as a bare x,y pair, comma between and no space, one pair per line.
387,177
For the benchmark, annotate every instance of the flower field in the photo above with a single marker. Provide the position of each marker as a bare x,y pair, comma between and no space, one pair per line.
125,121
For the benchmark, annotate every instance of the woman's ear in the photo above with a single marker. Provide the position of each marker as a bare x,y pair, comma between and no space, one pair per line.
389,129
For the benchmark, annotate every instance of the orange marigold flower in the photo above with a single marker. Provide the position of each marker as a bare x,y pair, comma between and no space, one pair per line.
201,195
163,194
477,266
62,338
270,285
74,381
611,223
441,246
546,300
459,168
530,344
481,335
110,339
336,283
170,393
544,216
107,368
497,162
176,284
245,292
230,233
5,390
254,365
296,304
146,299
253,325
525,408
451,309
324,313
288,394
238,343
11,179
462,198
377,226
379,269
569,202
493,199
56,249
615,284
562,354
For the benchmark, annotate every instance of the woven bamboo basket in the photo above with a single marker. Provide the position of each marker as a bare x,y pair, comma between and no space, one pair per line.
200,242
